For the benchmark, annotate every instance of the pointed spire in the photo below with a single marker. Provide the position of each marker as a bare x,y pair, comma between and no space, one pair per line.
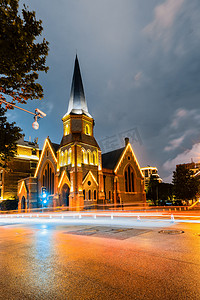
77,101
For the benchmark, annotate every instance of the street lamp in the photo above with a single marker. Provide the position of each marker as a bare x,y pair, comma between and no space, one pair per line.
37,115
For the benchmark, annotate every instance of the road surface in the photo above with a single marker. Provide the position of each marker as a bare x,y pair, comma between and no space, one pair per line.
144,259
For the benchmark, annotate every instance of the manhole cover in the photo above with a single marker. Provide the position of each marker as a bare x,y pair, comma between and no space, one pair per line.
171,231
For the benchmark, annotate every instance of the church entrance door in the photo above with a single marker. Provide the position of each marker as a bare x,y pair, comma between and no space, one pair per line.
65,195
23,203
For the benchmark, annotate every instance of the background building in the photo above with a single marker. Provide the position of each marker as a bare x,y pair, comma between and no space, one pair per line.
148,172
23,165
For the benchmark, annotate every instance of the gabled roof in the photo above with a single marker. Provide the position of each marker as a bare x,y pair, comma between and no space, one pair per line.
110,159
55,147
47,143
89,173
77,101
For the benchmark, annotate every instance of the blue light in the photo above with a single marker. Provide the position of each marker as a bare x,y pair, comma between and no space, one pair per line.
45,201
44,195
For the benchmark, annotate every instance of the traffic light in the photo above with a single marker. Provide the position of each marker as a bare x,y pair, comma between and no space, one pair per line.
44,192
44,195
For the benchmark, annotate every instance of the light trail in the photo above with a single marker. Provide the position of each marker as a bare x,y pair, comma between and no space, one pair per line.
97,218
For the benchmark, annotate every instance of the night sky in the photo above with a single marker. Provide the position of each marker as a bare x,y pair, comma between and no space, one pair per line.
140,65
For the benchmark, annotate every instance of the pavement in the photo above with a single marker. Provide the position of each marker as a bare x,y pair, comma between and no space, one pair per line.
102,258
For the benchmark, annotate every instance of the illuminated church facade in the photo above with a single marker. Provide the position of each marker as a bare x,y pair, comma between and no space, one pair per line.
75,173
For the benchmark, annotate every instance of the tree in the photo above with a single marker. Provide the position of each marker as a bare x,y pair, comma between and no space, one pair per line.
21,57
9,135
159,192
186,185
152,189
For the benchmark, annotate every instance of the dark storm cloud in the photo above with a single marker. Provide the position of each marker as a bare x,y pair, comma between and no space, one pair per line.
140,66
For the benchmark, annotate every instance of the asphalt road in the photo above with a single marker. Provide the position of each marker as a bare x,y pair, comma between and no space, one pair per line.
97,261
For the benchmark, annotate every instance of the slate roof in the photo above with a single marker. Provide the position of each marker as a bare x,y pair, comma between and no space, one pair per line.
110,159
77,101
80,137
55,147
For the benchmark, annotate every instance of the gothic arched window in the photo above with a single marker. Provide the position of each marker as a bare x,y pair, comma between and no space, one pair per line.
62,158
88,157
87,130
94,158
129,179
70,156
65,159
89,195
48,179
84,156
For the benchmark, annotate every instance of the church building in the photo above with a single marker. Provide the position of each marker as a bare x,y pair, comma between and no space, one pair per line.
75,173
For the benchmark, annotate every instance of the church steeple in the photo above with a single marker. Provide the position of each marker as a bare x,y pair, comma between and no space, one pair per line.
77,101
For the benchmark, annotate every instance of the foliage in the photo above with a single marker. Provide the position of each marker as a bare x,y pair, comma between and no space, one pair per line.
186,185
9,135
10,204
21,57
152,190
159,193
165,191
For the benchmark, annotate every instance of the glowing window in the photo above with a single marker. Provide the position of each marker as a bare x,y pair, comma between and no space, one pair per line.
65,159
94,158
62,159
70,156
87,129
84,156
67,129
